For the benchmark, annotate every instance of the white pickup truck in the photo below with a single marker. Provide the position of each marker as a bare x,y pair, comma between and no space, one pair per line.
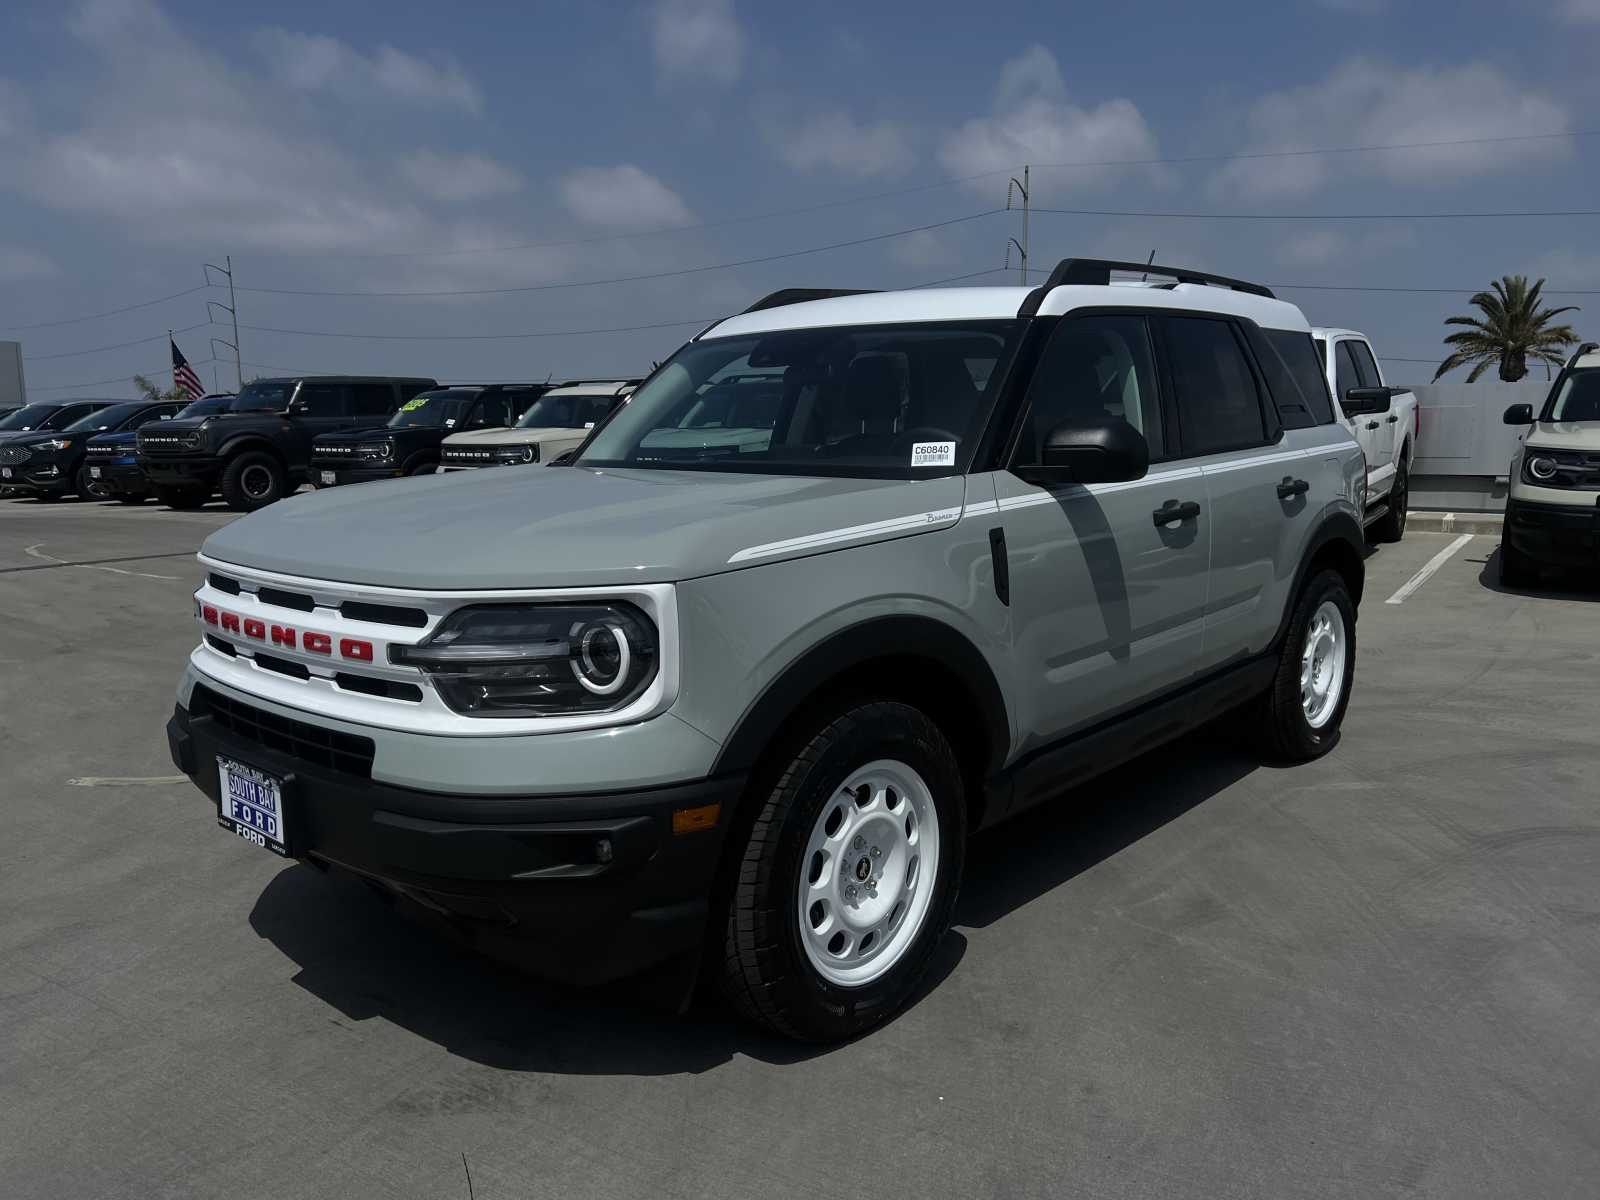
1384,420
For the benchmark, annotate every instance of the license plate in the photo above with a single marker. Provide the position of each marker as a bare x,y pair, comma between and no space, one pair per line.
94,472
327,478
251,805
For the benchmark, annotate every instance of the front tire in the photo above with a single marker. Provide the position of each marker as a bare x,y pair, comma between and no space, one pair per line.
1391,527
1299,717
253,480
848,878
1516,568
87,488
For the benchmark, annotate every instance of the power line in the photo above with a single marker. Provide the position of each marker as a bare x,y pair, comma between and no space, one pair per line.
724,266
89,383
475,337
110,312
1390,216
159,337
1418,291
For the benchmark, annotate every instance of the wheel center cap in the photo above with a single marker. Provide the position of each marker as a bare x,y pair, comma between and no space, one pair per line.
864,869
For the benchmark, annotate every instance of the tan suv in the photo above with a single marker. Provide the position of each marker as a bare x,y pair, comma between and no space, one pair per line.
555,423
1553,509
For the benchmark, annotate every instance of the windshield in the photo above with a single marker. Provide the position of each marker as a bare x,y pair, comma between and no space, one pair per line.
552,411
103,419
263,395
443,408
1577,396
29,417
209,406
888,401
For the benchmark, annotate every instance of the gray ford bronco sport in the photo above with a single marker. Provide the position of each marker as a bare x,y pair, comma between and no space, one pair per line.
717,704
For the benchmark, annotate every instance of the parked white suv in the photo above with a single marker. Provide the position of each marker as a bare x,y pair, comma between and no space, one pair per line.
1384,420
555,423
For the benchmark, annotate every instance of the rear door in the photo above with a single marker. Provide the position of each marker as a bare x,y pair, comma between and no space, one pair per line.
1229,431
1107,598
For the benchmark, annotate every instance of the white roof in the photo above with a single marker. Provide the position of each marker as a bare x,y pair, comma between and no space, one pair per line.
1329,333
1001,303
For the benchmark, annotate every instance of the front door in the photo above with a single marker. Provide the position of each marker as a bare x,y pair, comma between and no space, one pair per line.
1107,596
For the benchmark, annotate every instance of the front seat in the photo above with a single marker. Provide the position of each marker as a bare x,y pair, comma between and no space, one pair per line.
871,401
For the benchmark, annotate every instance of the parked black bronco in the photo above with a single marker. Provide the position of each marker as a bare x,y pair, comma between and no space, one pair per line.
260,449
409,443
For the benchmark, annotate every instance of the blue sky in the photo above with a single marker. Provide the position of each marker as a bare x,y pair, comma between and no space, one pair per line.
410,147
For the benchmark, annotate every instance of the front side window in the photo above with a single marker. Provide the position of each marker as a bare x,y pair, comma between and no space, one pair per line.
1345,375
64,418
1366,368
319,400
1295,378
881,401
1094,368
1577,396
1219,406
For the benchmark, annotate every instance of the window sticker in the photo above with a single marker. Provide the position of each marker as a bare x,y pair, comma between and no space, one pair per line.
933,454
449,422
413,404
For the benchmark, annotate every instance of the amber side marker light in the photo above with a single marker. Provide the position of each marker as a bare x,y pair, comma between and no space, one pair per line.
691,820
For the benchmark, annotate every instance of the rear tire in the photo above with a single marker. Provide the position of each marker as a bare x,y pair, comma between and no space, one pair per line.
253,480
1391,527
1298,718
1517,570
835,910
182,498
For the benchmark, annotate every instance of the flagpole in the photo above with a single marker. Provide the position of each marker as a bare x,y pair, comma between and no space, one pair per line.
171,358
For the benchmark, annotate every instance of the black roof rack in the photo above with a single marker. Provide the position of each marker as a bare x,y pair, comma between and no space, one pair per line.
1098,271
1586,348
800,295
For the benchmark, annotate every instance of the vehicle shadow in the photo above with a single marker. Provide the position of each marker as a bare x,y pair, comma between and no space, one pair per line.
362,958
1555,585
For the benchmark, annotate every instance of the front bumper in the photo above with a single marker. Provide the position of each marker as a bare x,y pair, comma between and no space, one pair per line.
522,878
1566,535
121,478
182,472
38,476
343,472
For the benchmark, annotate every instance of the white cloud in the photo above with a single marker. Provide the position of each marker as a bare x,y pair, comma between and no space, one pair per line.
698,41
622,197
922,249
312,62
458,178
18,263
1033,122
1319,247
1364,102
835,141
1579,12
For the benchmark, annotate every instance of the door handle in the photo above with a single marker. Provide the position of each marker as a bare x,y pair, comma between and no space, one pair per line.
1173,510
1372,424
1393,420
1292,487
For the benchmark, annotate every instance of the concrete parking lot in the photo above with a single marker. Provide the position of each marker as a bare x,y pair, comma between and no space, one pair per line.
1373,975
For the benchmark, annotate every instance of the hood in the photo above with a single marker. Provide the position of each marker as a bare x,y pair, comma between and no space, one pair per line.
574,527
1564,435
353,435
32,437
124,437
503,435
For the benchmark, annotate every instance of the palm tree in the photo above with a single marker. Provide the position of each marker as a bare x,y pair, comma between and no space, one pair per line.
1512,329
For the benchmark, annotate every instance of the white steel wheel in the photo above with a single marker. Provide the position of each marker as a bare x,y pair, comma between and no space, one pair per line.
1322,663
868,874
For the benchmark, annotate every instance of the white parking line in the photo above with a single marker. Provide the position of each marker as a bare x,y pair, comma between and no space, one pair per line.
33,551
1433,564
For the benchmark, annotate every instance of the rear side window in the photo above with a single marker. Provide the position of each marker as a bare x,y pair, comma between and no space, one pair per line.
1219,405
372,399
1299,359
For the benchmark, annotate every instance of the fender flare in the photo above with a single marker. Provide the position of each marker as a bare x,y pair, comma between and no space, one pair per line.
251,441
899,636
1336,527
418,457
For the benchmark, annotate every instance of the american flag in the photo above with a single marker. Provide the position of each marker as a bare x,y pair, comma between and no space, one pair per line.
183,377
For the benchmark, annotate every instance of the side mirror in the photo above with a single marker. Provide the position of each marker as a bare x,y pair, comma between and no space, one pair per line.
1108,451
1519,414
1366,401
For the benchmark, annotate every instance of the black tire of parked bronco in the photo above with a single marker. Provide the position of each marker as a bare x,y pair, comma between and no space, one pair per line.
1517,570
182,497
253,480
1391,527
1278,719
766,973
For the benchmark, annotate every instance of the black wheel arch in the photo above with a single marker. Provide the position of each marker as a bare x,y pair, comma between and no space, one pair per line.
251,443
930,665
1339,544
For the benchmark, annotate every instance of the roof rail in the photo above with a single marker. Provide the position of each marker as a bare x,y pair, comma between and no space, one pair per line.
800,295
1098,271
1586,348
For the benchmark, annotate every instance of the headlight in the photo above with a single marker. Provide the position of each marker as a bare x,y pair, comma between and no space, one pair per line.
1545,467
56,444
535,660
379,450
517,454
1542,467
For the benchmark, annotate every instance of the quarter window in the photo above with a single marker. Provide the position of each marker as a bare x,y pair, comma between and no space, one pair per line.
1094,368
1219,405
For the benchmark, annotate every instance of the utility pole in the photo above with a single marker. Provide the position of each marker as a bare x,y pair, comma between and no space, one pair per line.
231,308
1022,186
